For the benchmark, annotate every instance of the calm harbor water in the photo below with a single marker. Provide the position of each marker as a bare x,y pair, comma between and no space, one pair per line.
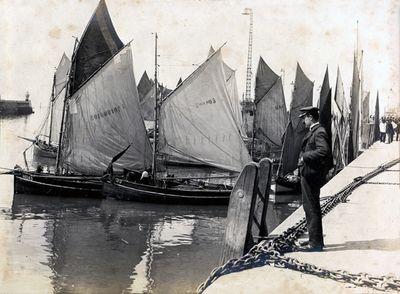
76,245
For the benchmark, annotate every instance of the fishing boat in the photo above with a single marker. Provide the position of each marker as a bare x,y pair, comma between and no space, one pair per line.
193,123
46,145
54,185
302,96
99,109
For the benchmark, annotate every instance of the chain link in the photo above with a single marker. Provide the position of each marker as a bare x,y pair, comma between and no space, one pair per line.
383,183
272,252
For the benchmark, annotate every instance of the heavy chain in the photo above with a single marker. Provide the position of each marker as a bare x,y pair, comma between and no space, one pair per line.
383,183
272,252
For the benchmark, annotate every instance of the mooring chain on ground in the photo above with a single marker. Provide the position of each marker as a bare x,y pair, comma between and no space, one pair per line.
383,183
272,252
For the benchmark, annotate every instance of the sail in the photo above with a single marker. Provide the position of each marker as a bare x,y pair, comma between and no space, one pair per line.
179,82
325,107
233,93
148,103
104,118
337,138
355,111
98,44
211,51
340,125
197,123
271,115
60,81
365,129
302,96
144,86
343,117
61,76
376,119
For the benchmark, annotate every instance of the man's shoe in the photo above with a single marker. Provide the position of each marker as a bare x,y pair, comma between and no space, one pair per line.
310,248
303,243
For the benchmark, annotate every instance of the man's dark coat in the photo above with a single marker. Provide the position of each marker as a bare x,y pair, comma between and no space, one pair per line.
317,160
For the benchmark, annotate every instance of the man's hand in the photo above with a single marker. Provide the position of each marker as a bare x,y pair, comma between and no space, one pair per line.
301,161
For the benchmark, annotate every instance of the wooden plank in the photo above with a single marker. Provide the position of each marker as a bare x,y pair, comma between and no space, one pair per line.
259,226
239,211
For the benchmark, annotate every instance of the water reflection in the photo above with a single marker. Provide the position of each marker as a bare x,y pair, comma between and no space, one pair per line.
113,247
73,245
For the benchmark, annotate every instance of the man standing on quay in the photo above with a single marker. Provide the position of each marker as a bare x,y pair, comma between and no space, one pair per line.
314,163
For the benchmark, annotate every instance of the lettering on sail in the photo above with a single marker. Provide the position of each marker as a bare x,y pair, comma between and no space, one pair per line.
106,113
209,101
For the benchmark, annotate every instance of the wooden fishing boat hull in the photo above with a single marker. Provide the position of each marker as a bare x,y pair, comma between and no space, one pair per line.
51,185
41,151
125,190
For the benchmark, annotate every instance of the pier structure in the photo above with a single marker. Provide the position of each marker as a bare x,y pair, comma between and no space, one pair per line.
16,107
361,236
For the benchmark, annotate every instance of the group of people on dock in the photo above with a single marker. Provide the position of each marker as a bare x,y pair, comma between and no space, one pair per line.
388,127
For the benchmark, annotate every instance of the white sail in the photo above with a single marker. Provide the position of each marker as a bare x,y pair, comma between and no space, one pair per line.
234,98
233,93
61,76
104,118
197,122
60,81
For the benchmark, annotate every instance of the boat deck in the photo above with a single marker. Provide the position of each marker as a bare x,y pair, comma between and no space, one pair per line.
361,235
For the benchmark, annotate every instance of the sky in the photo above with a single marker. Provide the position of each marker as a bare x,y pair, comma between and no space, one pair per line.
34,34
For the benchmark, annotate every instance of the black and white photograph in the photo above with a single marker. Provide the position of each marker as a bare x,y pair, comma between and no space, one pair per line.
199,146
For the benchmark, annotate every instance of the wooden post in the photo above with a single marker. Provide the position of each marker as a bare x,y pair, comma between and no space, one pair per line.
237,224
246,220
259,227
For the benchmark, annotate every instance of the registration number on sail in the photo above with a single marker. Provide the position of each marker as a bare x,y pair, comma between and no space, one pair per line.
106,113
209,101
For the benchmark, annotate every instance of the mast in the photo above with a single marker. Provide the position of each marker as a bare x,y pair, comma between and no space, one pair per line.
58,171
156,110
52,105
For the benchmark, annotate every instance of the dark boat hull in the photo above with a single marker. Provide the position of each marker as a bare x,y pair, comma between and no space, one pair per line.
130,191
50,185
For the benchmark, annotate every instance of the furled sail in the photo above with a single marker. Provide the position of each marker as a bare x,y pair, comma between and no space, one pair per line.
302,96
271,115
325,106
98,44
104,118
60,81
197,123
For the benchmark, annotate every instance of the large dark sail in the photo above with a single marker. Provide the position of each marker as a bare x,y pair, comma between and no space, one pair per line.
325,107
98,44
271,116
144,86
302,96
